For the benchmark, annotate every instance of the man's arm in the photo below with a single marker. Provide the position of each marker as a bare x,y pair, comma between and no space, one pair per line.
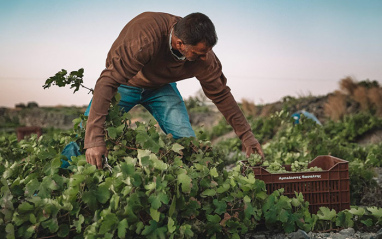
118,71
214,85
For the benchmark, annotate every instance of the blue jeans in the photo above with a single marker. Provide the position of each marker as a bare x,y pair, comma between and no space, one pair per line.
165,104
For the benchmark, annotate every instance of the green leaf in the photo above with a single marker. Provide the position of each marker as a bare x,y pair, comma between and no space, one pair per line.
185,229
10,230
25,207
185,181
29,232
147,141
155,214
164,198
247,199
357,211
137,180
214,172
213,218
109,223
223,188
158,164
63,231
51,224
368,222
32,218
140,226
122,226
249,211
235,236
172,206
143,154
90,199
208,193
114,202
56,163
284,215
155,202
103,194
127,169
78,223
150,228
177,148
171,225
114,132
375,211
221,206
325,213
296,202
344,219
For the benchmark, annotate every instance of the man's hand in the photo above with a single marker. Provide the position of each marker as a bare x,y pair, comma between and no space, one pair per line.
255,149
94,155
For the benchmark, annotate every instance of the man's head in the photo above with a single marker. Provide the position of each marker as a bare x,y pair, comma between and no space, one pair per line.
195,35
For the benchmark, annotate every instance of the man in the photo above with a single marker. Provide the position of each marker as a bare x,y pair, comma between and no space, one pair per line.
153,51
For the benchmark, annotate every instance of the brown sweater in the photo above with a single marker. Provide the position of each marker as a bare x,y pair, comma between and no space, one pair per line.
141,57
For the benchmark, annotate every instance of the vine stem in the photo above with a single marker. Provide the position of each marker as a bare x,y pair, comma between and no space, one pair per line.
90,89
65,214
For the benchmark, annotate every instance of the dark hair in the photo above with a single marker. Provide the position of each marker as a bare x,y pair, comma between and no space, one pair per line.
195,28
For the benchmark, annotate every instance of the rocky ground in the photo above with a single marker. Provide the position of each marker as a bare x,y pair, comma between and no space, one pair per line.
348,233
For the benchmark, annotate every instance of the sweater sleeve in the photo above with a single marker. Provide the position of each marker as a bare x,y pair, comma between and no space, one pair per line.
124,62
214,85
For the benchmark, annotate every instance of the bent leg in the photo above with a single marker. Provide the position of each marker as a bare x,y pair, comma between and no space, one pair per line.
168,108
130,96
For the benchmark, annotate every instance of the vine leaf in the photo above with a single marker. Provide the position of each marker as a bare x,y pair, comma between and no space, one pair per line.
63,230
325,213
185,181
376,212
171,225
122,226
77,223
150,228
357,211
177,148
221,206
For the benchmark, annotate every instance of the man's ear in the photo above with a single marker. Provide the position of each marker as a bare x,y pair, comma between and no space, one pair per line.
179,44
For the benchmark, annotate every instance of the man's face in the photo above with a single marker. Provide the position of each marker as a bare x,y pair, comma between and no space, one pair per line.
197,52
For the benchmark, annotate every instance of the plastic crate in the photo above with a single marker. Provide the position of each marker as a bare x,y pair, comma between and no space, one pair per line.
326,188
22,132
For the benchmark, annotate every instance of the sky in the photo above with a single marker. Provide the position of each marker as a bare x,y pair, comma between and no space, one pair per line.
269,49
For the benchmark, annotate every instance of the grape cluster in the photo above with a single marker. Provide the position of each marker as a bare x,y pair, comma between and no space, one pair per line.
296,166
254,160
315,168
276,167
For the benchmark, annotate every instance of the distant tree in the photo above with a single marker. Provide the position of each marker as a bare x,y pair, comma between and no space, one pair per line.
32,104
20,105
368,84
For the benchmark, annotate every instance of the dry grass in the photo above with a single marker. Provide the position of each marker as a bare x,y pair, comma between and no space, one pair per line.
360,95
348,85
367,98
266,111
375,98
335,107
249,107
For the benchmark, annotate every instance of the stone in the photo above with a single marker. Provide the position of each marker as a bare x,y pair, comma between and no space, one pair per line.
300,234
378,235
347,232
261,236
